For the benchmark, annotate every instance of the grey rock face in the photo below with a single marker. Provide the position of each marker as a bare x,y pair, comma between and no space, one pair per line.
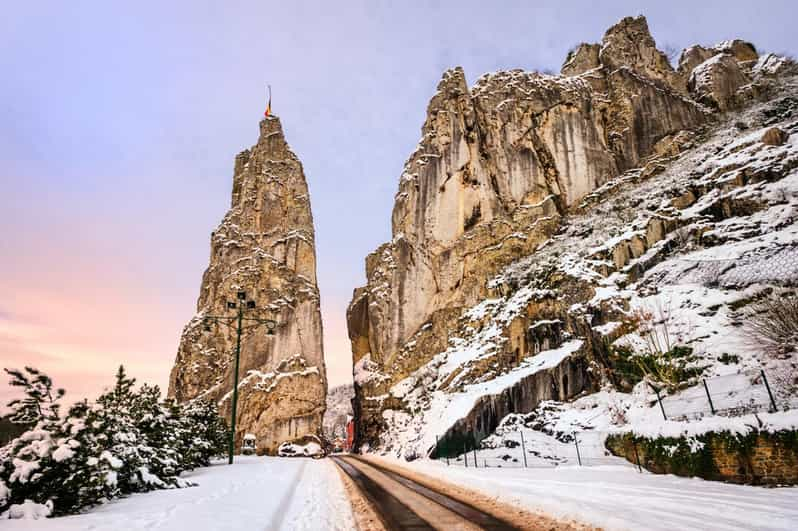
264,246
715,82
497,168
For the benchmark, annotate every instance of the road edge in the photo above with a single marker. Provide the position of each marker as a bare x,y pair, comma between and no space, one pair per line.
523,518
366,517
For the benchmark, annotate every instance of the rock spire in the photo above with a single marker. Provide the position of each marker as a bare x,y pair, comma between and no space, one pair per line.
265,247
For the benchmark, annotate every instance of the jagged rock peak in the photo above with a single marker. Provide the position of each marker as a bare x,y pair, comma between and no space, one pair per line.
629,43
265,247
498,168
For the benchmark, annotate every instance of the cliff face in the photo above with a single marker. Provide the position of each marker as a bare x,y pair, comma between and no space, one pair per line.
265,247
498,170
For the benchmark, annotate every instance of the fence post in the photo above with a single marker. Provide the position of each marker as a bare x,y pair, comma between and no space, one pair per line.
770,394
711,405
637,456
659,399
523,446
446,449
578,456
465,455
475,452
438,451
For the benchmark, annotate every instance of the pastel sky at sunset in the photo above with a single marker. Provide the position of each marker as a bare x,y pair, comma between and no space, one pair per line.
119,123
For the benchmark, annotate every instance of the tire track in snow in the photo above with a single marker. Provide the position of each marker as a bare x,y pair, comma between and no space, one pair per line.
282,507
320,502
406,504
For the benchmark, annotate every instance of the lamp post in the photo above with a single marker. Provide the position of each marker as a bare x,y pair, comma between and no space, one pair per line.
240,305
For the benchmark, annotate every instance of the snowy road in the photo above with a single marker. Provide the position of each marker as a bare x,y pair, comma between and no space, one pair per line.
255,493
405,504
620,498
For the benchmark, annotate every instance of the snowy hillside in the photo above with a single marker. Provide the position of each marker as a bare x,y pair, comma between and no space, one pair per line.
684,253
339,407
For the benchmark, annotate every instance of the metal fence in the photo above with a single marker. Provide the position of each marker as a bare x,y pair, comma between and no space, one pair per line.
584,448
731,395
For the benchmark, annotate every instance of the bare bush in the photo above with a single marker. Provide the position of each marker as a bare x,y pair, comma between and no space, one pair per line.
617,411
672,53
772,324
661,357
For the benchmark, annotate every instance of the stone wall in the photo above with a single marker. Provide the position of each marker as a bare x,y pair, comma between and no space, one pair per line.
758,458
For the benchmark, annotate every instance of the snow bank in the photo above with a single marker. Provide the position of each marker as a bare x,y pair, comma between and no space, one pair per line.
619,497
28,511
255,492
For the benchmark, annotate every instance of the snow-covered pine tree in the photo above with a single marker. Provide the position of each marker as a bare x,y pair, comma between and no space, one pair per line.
137,457
127,441
110,418
205,433
41,464
40,401
160,447
57,462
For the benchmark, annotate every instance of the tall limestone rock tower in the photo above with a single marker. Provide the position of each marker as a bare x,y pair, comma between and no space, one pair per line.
265,247
498,167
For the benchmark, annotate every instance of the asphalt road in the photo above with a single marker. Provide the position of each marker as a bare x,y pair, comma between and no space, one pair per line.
402,503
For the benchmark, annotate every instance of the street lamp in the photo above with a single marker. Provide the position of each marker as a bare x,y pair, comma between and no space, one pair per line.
240,306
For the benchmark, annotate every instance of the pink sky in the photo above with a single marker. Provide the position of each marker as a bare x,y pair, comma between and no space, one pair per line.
120,121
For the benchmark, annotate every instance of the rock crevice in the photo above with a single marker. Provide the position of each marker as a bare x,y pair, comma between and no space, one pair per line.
498,167
264,246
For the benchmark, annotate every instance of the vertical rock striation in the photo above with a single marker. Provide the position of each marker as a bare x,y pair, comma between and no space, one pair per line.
498,166
264,246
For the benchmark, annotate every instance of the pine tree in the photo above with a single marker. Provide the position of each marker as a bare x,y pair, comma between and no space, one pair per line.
58,462
40,401
159,448
124,447
127,441
206,433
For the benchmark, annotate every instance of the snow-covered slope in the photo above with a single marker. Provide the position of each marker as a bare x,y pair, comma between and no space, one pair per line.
679,247
339,408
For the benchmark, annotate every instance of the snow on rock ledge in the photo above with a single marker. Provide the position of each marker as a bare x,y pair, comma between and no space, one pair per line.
264,246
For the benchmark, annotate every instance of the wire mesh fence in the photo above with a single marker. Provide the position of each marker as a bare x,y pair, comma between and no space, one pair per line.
731,395
536,450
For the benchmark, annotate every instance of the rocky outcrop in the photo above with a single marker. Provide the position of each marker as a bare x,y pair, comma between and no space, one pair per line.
774,137
583,58
715,82
265,247
628,44
498,168
742,52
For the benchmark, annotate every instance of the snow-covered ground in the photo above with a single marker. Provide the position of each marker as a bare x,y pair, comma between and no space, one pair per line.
620,497
254,493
